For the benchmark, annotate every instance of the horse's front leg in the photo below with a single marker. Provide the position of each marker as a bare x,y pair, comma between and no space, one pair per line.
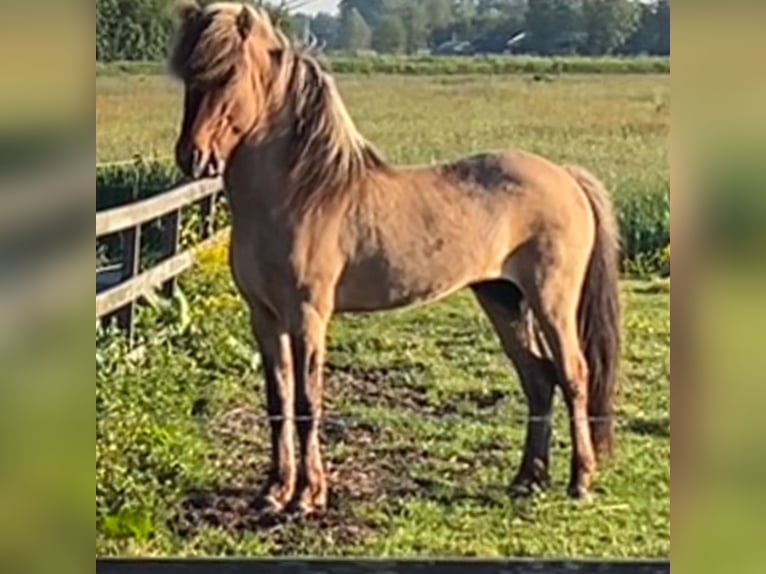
274,345
308,350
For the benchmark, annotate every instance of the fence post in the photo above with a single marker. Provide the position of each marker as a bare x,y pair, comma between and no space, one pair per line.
130,268
172,238
207,216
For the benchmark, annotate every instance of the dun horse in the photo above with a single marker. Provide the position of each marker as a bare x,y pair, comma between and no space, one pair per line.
322,224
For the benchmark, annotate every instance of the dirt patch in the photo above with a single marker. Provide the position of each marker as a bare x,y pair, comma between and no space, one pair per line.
360,479
232,510
483,400
367,462
472,402
241,436
397,388
659,428
361,463
393,387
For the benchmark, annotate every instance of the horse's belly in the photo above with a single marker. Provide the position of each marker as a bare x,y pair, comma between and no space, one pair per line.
379,283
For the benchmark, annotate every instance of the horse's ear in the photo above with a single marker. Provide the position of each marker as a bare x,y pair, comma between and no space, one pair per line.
245,22
188,10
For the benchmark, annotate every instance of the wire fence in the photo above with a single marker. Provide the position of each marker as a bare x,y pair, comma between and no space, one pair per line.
535,419
134,161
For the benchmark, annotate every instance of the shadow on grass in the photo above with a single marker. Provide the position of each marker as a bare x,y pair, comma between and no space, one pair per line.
659,427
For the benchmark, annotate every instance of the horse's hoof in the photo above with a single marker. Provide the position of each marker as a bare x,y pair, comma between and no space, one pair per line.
527,484
273,498
308,503
268,503
579,493
520,490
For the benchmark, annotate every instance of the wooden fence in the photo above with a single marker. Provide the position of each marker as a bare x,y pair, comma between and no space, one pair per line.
119,286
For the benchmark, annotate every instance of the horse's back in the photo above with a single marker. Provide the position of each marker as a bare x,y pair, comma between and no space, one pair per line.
428,231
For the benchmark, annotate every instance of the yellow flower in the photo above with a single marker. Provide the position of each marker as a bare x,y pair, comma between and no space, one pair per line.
213,257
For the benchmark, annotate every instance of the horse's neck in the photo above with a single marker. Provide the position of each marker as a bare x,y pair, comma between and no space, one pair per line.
258,172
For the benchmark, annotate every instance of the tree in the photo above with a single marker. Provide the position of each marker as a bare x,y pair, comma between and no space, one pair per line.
143,29
608,24
133,29
355,32
390,36
373,11
327,29
463,10
415,18
652,35
662,27
554,26
439,13
280,17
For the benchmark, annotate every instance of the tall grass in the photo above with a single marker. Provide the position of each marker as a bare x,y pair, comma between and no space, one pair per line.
459,65
449,65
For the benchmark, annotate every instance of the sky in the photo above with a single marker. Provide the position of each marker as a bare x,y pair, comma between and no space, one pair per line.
314,6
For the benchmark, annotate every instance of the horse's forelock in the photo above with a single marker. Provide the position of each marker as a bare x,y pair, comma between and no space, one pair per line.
209,43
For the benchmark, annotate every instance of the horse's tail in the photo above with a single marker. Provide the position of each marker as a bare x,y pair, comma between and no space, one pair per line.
599,313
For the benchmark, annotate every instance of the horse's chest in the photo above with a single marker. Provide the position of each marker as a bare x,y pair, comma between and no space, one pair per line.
254,264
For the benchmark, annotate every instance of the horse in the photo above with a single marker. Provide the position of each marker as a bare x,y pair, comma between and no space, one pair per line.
322,224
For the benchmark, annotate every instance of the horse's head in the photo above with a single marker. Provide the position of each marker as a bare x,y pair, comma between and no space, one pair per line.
223,55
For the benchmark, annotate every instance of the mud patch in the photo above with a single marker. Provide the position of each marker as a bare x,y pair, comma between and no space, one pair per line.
399,388
391,387
233,511
241,436
659,428
362,465
472,402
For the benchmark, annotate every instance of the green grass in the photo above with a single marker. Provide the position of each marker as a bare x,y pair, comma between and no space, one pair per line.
461,65
457,65
424,430
425,414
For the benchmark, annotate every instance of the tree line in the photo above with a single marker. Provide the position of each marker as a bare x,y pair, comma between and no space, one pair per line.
550,27
142,29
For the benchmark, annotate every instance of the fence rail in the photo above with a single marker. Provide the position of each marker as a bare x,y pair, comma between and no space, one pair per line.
119,287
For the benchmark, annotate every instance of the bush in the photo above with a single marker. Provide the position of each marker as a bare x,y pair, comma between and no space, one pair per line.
124,182
441,65
448,65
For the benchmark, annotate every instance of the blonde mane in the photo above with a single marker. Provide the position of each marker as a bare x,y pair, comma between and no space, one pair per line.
329,157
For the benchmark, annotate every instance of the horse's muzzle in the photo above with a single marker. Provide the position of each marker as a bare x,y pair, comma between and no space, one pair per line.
205,164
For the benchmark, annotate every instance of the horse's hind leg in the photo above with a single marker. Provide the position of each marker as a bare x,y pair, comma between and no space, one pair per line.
502,303
554,298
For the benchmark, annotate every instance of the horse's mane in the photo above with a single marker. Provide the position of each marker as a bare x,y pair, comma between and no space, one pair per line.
330,156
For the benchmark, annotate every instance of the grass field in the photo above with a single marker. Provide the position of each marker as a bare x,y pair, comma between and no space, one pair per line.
454,65
425,415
